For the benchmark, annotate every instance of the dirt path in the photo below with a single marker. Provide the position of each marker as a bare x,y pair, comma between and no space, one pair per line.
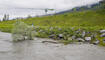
35,50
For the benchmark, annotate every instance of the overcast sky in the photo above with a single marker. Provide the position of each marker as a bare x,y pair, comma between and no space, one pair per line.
56,4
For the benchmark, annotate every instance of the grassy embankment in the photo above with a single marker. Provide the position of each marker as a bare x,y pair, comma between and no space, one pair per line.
66,24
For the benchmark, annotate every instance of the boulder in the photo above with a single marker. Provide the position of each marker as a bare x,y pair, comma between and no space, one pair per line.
80,40
102,35
52,36
96,42
88,39
51,28
102,31
60,36
73,37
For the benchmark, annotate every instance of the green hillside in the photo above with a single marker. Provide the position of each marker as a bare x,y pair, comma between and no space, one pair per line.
88,18
67,24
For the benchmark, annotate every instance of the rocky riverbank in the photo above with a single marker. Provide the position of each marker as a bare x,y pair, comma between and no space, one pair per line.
70,35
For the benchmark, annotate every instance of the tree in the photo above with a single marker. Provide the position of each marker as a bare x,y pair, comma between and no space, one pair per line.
6,17
29,16
46,10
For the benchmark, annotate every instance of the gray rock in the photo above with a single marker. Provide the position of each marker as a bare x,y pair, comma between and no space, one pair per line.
102,35
52,36
96,42
60,35
102,31
88,39
73,37
51,28
80,40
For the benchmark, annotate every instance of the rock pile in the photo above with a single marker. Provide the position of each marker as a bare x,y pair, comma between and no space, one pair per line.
71,34
102,35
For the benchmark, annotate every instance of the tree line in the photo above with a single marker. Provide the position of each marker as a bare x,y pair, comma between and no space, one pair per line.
5,18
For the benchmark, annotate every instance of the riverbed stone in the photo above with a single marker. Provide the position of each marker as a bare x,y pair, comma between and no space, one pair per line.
88,39
52,36
102,31
96,42
51,28
60,36
80,40
102,35
73,37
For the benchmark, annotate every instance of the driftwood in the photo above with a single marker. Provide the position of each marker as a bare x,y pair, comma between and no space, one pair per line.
54,42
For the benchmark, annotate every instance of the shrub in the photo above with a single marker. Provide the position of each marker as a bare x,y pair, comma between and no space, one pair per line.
19,31
22,31
30,33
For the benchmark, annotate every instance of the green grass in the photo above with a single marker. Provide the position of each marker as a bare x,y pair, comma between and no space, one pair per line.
87,19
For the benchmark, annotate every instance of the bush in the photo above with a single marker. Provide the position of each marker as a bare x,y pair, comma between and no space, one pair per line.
22,31
30,33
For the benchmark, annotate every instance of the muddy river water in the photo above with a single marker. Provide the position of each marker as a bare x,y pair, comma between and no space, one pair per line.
36,50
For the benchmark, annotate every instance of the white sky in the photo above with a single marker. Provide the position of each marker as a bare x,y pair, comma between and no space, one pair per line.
56,4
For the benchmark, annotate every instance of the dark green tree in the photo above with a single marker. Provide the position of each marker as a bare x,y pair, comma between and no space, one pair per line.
6,17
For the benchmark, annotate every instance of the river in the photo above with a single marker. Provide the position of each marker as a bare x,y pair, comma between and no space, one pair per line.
36,50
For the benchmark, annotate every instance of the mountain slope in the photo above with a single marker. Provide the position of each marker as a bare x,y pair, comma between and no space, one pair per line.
95,6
